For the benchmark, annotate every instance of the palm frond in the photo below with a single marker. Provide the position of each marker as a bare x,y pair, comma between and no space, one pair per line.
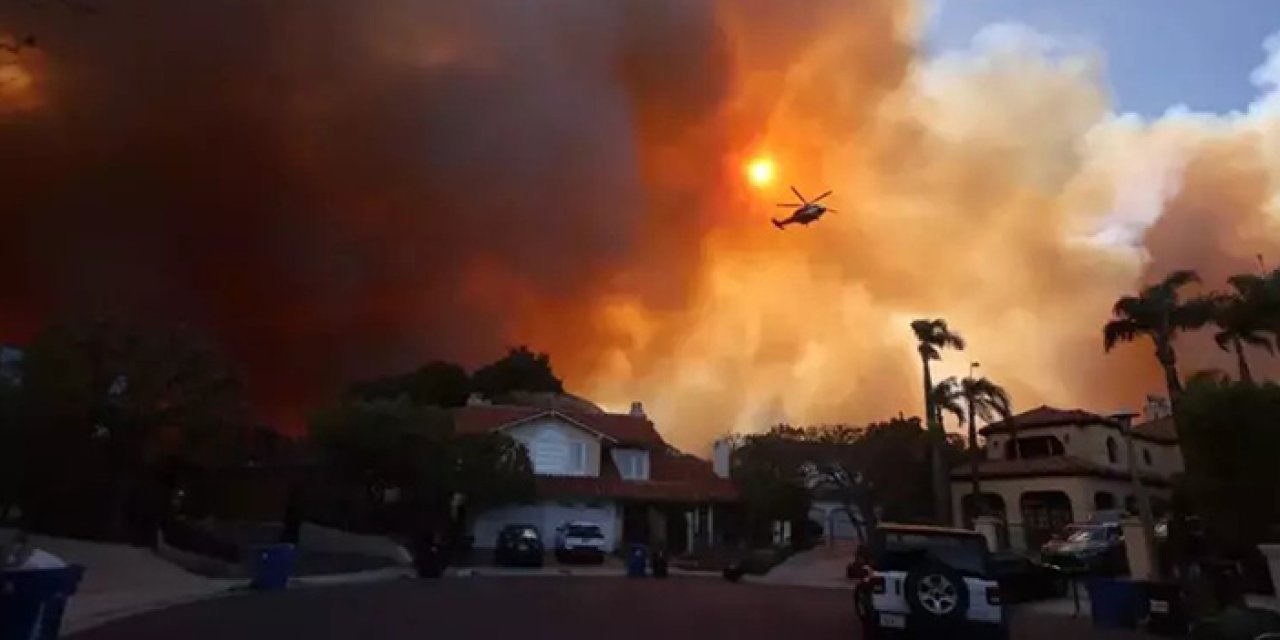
1257,340
1130,307
1118,331
1194,313
1224,339
1178,279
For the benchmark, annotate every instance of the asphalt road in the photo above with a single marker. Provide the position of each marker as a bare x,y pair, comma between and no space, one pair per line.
535,607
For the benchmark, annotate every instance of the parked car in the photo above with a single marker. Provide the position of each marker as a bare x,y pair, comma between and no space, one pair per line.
930,582
580,541
1088,549
1023,579
519,545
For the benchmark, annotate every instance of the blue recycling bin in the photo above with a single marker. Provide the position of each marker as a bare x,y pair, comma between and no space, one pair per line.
32,601
272,565
636,561
1115,603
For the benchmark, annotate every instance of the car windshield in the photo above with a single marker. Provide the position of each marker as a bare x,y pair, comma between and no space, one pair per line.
967,554
1088,534
528,532
584,531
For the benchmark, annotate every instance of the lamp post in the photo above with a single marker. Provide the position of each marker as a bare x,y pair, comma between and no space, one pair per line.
1125,420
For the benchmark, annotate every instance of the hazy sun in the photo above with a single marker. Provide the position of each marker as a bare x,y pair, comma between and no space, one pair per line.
760,171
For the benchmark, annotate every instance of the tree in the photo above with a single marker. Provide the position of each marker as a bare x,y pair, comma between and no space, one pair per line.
1158,313
987,400
409,462
932,336
1232,428
1242,318
519,370
437,383
107,406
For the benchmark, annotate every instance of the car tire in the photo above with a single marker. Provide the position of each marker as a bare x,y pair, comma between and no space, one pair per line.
936,593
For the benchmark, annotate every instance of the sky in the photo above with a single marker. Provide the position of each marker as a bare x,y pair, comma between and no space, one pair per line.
1158,53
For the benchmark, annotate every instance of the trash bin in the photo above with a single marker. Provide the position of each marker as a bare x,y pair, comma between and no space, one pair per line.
32,601
1166,609
636,561
271,567
1115,603
658,562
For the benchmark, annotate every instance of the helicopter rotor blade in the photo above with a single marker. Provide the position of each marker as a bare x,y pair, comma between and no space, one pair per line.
802,198
821,197
830,209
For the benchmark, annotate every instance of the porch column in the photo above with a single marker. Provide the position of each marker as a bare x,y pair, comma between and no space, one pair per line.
711,526
690,517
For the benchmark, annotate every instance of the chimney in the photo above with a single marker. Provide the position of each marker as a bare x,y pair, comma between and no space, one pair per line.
720,456
637,409
476,399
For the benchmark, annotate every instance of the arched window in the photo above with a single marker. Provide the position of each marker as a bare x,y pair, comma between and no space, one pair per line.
1112,456
1146,456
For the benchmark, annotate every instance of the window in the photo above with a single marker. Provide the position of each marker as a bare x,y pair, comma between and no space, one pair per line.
633,464
553,453
1112,456
1146,456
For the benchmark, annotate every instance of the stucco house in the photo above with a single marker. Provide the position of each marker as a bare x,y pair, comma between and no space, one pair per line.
609,468
1048,467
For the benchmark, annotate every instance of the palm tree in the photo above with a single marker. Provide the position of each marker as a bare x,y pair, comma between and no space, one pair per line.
1158,313
1242,317
987,400
932,336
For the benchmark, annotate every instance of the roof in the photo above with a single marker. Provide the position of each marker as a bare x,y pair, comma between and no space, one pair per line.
620,428
1052,466
674,477
1160,430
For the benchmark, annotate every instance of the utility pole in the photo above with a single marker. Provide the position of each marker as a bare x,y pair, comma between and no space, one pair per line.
1125,419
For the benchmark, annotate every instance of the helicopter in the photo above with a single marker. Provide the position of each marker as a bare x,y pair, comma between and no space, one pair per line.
804,213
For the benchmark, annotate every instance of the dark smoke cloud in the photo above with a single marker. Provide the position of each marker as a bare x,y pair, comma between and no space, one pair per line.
318,184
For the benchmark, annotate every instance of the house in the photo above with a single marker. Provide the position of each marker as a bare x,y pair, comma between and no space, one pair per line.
612,469
1048,467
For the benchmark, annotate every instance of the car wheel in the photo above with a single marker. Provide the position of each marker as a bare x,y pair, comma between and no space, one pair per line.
936,593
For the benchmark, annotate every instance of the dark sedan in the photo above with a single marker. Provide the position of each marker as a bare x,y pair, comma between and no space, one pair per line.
519,545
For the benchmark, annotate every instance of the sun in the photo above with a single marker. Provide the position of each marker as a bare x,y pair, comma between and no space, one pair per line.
760,171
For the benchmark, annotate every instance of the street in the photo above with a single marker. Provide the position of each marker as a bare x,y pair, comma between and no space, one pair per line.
534,607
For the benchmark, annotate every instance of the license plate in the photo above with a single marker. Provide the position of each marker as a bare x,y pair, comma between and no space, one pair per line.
1159,606
893,621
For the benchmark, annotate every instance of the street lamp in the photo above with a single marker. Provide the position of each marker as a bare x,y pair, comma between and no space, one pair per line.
1125,420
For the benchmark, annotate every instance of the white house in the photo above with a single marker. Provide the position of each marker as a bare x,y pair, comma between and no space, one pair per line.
1048,467
611,469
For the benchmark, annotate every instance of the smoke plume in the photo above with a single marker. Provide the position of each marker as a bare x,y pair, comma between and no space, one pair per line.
335,191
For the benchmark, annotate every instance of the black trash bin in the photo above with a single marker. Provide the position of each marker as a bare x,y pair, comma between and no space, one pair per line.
658,563
1167,613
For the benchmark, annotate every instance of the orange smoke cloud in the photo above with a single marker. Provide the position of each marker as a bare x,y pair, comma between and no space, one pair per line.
410,180
992,187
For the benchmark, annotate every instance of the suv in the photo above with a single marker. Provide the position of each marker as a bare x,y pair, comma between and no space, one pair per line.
519,544
930,582
583,540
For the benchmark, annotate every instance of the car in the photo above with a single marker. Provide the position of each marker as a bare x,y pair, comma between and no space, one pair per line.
1023,578
580,541
519,545
1088,549
930,582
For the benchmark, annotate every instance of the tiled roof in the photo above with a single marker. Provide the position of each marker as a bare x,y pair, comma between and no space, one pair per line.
673,478
1053,466
620,428
1160,430
1044,416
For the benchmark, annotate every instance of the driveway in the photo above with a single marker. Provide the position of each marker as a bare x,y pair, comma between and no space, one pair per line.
534,607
